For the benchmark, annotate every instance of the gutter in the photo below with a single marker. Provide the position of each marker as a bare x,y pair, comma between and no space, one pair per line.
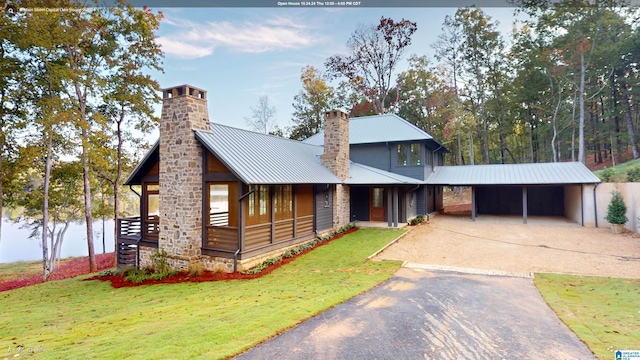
135,192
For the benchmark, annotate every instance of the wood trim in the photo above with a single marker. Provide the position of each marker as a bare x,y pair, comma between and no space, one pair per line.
219,177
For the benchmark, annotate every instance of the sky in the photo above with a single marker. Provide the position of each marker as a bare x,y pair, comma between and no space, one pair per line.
239,54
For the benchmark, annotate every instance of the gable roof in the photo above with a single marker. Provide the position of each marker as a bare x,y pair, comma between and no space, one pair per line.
257,158
379,129
513,174
150,158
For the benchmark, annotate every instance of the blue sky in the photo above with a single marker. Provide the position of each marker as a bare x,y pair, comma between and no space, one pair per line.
240,54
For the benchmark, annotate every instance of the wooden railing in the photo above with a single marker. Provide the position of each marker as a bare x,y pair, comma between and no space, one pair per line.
129,228
221,238
304,225
219,219
152,227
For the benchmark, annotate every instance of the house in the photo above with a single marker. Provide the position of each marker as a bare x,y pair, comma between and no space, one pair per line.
228,197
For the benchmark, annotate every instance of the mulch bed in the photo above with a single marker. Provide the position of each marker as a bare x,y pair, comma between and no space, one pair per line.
119,281
69,269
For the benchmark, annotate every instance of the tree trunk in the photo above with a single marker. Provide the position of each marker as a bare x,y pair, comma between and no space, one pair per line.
116,186
471,157
485,134
581,149
629,119
87,199
555,127
46,265
460,161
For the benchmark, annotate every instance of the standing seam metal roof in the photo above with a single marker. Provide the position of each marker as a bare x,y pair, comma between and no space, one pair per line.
265,159
377,129
513,174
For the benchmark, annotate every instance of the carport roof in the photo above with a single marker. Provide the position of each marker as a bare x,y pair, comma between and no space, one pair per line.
513,174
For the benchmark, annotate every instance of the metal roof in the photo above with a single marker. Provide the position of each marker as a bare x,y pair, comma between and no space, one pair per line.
513,174
377,129
258,158
365,175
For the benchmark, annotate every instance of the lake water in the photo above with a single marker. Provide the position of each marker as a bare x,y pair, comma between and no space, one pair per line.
15,244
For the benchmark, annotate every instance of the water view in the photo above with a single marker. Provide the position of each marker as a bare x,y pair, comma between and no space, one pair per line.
15,244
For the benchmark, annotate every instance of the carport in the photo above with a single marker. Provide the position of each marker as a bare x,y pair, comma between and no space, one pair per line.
544,189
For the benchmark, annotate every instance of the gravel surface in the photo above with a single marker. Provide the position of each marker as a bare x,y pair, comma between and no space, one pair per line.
503,243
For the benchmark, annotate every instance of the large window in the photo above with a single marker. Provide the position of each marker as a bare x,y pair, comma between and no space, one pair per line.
409,155
259,206
283,202
151,216
223,204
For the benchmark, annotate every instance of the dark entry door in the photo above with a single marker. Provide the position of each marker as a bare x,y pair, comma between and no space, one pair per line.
377,204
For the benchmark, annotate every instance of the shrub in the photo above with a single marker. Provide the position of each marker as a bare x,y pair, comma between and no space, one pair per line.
417,220
137,276
607,174
195,269
633,174
159,262
617,210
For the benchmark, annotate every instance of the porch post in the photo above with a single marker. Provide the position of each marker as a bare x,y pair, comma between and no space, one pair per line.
241,223
395,206
389,210
524,204
473,203
294,195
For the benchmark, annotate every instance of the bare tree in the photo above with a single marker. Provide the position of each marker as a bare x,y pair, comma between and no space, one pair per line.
375,51
262,117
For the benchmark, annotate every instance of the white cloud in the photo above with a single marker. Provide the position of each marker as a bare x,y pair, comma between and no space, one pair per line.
193,40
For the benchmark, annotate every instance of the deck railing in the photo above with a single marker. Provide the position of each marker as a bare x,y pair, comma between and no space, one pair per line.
129,228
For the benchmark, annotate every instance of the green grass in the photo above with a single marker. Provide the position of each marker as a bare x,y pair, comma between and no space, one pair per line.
92,320
620,170
603,312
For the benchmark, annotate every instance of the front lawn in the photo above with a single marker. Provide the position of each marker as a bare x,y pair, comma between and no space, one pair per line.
603,312
90,319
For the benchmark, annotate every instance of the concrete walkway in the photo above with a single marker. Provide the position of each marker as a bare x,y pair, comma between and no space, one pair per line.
427,314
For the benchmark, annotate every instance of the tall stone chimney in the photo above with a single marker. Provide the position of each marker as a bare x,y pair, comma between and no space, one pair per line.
184,109
336,159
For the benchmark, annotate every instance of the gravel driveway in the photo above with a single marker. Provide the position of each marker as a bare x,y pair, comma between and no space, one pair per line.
505,244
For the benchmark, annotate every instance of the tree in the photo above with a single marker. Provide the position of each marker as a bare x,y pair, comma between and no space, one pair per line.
374,53
262,116
315,98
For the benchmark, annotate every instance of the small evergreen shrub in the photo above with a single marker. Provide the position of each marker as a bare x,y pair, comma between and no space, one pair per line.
137,276
617,210
633,174
607,174
417,220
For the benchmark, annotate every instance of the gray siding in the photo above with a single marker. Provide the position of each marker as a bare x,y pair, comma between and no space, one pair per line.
411,201
374,155
324,213
421,199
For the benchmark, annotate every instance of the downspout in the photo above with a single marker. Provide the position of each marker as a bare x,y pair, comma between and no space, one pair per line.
595,205
235,254
135,192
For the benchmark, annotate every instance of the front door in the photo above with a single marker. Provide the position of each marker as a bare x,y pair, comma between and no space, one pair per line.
377,204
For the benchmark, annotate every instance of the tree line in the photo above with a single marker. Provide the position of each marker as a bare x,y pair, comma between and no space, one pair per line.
75,100
562,85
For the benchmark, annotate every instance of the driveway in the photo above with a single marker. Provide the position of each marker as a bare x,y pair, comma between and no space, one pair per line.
504,243
420,314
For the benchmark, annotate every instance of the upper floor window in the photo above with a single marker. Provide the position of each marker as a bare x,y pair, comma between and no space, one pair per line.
409,155
402,155
414,155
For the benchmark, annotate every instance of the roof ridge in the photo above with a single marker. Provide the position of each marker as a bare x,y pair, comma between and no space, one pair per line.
280,138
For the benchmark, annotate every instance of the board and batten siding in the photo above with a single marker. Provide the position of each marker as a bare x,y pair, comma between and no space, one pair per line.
324,212
374,155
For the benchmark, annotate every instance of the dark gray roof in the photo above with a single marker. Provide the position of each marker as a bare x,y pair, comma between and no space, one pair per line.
513,174
365,175
378,129
258,158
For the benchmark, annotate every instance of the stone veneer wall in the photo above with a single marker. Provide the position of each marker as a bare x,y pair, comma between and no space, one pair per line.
336,159
184,109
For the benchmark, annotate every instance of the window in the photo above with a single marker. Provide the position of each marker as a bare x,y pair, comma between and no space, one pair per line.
378,197
264,200
153,199
223,204
252,204
402,155
415,155
283,202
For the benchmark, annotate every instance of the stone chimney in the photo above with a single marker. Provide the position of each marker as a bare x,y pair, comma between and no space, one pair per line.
336,159
184,109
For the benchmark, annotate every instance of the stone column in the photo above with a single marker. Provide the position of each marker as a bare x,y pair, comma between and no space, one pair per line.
336,159
184,109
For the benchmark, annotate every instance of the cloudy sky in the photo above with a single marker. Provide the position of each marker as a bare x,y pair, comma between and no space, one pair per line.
240,54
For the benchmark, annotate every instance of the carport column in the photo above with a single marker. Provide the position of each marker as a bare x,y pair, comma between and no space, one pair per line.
473,203
524,204
389,208
395,206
